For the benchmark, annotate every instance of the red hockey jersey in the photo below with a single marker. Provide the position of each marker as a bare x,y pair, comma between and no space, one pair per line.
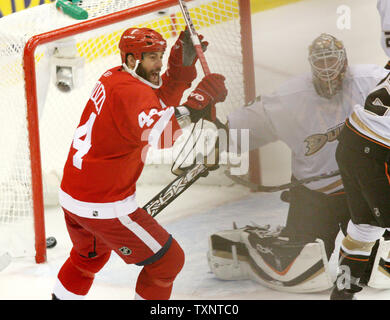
123,117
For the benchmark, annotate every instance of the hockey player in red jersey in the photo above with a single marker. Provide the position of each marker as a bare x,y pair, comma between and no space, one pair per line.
130,109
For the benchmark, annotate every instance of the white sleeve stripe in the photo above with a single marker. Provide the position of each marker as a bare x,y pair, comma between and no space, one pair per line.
159,127
140,233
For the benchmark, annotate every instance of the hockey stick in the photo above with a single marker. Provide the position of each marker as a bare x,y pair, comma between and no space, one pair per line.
198,48
194,37
175,188
200,54
262,188
195,171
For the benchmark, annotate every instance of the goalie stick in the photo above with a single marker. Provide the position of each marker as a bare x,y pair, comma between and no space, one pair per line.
262,188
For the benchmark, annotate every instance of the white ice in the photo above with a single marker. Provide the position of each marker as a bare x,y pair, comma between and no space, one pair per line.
281,37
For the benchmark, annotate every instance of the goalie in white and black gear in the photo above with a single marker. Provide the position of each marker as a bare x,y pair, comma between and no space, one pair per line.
307,113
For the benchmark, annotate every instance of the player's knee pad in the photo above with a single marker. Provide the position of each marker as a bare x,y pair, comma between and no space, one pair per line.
155,281
259,254
164,271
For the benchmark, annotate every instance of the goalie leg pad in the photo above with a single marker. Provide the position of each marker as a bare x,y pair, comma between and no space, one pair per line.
227,256
380,274
257,253
285,265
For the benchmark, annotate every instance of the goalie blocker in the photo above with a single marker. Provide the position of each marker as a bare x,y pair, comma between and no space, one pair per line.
259,254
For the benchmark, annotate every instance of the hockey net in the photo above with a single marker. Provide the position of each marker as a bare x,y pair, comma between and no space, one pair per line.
38,120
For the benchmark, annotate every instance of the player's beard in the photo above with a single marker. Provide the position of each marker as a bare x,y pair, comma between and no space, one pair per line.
152,76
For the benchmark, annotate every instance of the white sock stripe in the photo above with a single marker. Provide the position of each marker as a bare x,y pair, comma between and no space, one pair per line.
364,232
63,294
356,252
140,233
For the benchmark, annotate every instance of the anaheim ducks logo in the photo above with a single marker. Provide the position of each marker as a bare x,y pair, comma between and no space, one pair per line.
315,142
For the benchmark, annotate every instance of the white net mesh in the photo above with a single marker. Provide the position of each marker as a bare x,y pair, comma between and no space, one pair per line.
59,112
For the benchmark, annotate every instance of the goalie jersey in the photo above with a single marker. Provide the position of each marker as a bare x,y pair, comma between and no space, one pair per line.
308,123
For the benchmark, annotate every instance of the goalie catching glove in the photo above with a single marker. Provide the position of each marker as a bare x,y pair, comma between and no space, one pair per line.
200,103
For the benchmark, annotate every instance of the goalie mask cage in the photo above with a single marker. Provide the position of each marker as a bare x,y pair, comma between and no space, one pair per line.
38,119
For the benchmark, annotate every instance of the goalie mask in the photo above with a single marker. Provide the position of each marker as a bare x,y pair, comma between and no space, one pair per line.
328,60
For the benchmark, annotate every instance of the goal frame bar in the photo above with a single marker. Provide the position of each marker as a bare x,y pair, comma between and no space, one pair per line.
32,102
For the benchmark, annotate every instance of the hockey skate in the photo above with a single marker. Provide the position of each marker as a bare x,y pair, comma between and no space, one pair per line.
341,295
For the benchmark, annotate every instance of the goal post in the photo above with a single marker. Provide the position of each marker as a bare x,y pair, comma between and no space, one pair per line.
254,174
226,25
